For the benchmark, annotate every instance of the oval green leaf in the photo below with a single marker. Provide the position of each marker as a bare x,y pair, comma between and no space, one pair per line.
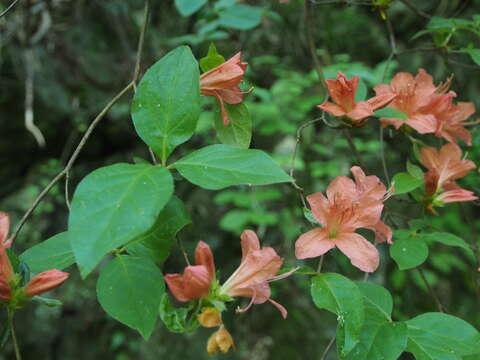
380,338
189,7
408,251
219,166
438,336
240,17
341,296
112,206
130,290
157,242
239,131
53,253
450,240
404,183
166,105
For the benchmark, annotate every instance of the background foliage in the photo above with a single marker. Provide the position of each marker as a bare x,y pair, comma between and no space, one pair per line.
75,55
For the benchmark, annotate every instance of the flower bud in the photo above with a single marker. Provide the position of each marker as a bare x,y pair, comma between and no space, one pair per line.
209,317
45,281
220,339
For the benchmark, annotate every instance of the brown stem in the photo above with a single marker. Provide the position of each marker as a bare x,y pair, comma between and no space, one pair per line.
358,156
311,43
327,349
431,291
11,313
411,6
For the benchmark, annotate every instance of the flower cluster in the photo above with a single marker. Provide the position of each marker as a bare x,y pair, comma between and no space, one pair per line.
348,206
258,266
11,290
429,109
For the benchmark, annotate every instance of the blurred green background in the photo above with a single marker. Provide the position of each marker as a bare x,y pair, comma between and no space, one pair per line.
79,54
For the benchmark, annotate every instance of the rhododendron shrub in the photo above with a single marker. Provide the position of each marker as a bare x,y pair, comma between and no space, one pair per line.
124,218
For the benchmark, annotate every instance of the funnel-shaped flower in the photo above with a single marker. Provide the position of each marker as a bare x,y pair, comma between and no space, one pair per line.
195,282
4,229
258,267
342,91
412,94
348,206
444,167
6,270
222,83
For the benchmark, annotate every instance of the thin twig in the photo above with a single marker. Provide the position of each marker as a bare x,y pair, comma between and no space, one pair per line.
182,249
141,40
431,291
8,8
29,98
294,156
320,264
416,10
352,146
89,131
70,163
327,349
67,195
311,44
382,157
11,313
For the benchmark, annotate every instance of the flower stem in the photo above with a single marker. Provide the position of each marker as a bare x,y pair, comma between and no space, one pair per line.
14,337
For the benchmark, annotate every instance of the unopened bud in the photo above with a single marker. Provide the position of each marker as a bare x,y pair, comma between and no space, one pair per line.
209,317
45,281
220,339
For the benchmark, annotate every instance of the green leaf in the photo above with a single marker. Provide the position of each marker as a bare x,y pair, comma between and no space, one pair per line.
361,93
405,183
239,131
240,17
218,166
380,338
212,60
47,301
177,319
189,7
130,290
415,171
407,250
341,296
438,336
166,105
474,55
390,114
157,242
114,205
53,253
450,240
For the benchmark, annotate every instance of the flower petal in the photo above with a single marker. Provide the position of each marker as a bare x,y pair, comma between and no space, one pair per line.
331,108
362,254
204,256
360,111
249,242
4,227
320,207
313,243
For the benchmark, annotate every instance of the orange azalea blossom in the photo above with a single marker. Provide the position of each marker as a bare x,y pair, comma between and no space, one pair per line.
222,83
43,282
451,117
429,108
348,206
412,94
257,268
195,282
444,167
342,91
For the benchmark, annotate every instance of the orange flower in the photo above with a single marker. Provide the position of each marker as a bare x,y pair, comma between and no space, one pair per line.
43,282
412,94
444,167
222,83
257,268
195,282
348,206
342,91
